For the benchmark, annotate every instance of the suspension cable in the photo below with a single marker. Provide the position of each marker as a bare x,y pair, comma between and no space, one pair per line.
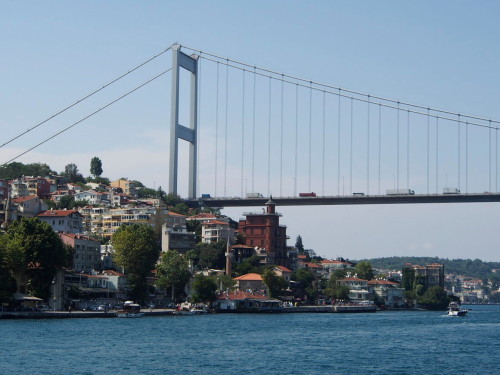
88,116
225,131
281,139
242,132
406,104
216,129
86,97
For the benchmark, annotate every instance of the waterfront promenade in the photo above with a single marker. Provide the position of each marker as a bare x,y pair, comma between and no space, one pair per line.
167,312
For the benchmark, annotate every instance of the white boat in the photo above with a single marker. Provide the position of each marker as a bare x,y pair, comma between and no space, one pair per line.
454,309
188,309
130,310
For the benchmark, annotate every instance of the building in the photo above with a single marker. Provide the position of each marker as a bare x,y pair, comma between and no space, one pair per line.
64,221
429,276
29,205
177,238
264,230
4,189
216,230
87,251
283,272
250,281
358,288
391,294
127,187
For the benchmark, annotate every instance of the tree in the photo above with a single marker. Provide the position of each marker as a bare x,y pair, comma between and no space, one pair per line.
334,289
136,251
251,264
212,255
204,288
435,298
364,270
299,245
96,167
275,284
34,253
305,277
173,272
71,173
7,283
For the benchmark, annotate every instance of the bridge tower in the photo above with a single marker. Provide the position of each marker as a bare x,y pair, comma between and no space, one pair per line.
187,133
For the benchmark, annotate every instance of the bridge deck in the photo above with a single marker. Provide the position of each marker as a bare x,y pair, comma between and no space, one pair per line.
346,200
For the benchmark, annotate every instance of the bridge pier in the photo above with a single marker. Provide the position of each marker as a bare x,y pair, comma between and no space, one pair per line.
187,133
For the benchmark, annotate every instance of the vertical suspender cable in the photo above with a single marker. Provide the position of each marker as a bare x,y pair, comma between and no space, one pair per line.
459,161
323,148
242,132
281,136
350,163
408,151
253,130
397,152
496,160
310,135
296,136
269,144
428,149
225,131
379,143
338,148
216,127
437,155
368,149
466,157
489,159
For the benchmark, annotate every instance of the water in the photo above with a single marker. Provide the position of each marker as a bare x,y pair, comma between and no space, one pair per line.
410,342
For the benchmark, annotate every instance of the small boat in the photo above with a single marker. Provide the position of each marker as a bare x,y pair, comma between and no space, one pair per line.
188,309
454,309
130,310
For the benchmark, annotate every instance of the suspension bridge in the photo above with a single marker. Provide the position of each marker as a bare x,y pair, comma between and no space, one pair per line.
241,133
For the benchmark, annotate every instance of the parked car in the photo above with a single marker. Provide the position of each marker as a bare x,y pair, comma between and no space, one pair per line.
102,308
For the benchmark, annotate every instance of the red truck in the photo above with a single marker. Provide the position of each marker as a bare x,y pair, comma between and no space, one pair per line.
307,194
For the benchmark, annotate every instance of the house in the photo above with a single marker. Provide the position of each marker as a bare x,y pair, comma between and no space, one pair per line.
246,301
66,221
177,238
4,189
250,281
215,230
283,272
87,251
389,292
358,288
127,187
29,205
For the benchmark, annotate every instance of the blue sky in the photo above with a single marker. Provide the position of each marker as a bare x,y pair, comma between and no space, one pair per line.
443,54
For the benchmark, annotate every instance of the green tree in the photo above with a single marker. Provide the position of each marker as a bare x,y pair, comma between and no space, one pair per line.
364,270
435,298
251,264
136,251
212,255
304,276
7,283
204,288
299,245
66,202
275,284
34,253
181,208
173,273
96,167
71,173
15,170
334,289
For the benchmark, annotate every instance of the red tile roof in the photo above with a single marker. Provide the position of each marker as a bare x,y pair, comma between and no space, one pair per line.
57,213
283,269
24,199
218,222
352,279
249,277
170,213
313,265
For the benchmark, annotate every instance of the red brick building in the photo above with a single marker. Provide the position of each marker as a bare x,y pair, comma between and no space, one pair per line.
263,230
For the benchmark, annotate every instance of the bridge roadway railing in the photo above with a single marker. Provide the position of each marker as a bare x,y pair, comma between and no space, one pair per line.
344,200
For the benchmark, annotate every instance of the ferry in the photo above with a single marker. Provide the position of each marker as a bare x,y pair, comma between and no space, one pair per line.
454,309
130,310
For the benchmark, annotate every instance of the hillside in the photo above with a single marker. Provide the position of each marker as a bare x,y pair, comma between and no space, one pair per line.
466,267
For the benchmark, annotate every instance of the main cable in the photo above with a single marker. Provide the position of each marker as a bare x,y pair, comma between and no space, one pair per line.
88,116
85,97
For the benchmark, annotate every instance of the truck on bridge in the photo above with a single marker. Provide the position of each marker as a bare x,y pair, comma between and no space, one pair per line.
312,194
254,195
400,192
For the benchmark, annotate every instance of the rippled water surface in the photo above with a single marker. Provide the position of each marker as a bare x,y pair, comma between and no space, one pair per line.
407,342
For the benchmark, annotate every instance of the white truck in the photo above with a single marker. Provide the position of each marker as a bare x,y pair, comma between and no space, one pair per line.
447,190
400,192
254,195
